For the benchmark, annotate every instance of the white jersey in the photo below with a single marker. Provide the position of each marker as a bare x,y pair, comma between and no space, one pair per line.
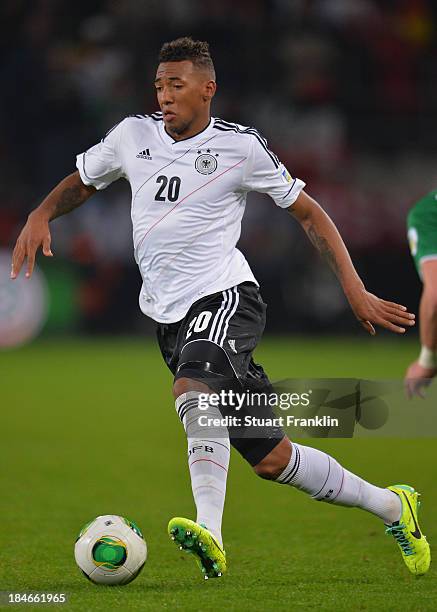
188,200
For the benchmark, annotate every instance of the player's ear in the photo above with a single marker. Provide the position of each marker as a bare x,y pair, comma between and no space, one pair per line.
209,90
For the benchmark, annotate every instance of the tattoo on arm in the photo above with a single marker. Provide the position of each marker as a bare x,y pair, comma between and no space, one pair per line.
70,198
324,248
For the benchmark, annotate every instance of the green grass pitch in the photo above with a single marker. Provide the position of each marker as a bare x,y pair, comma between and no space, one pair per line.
88,427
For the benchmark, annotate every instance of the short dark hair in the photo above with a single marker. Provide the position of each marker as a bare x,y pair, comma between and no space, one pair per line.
186,48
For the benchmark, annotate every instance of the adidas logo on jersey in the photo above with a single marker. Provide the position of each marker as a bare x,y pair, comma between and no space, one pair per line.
144,154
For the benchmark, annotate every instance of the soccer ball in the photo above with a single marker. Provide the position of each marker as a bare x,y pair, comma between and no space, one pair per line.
110,550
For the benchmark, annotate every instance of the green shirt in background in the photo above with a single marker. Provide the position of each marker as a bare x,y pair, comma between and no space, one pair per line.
422,229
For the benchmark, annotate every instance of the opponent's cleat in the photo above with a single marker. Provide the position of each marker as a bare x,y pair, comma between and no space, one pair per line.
196,539
414,547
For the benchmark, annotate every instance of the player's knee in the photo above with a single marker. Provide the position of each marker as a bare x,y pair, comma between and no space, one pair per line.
275,462
183,385
269,469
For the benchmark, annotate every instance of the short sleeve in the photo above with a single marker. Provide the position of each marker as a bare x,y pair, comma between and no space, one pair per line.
266,174
101,165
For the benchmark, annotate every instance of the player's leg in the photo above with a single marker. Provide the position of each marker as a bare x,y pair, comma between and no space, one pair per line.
214,345
208,490
186,392
322,477
208,462
208,452
200,366
422,237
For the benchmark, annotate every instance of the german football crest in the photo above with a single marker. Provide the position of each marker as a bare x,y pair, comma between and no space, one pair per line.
206,163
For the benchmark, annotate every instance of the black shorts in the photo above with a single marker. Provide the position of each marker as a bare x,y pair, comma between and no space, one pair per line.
235,320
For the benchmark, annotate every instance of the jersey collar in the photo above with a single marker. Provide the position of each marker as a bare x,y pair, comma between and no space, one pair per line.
191,140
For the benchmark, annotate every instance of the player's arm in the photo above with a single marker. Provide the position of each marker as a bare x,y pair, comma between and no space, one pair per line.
421,371
368,308
70,193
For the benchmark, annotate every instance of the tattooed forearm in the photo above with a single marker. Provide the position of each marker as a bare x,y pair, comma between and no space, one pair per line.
70,198
70,193
325,250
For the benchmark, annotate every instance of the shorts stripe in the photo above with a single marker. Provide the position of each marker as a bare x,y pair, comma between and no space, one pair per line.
217,314
237,299
223,316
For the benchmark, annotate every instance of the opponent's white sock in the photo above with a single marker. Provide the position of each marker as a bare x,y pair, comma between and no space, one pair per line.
320,475
208,461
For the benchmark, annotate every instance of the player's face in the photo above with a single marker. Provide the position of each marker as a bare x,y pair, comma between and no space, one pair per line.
184,94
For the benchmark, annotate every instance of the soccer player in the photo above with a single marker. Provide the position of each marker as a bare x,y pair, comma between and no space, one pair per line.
189,174
422,236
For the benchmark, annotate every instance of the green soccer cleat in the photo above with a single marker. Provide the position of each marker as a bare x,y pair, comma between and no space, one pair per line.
196,539
414,547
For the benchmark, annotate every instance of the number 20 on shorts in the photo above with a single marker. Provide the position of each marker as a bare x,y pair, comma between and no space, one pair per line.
199,323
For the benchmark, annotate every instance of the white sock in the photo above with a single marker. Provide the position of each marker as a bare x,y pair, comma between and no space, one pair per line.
320,475
208,461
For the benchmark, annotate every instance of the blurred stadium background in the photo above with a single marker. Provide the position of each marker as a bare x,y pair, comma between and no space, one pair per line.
345,91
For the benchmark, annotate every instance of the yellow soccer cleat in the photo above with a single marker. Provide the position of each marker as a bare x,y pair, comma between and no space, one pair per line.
414,547
196,539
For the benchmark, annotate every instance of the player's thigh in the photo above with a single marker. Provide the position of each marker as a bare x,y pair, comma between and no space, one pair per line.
219,334
167,336
217,341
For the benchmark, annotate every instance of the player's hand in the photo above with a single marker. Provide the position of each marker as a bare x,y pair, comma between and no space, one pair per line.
34,234
417,379
370,309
